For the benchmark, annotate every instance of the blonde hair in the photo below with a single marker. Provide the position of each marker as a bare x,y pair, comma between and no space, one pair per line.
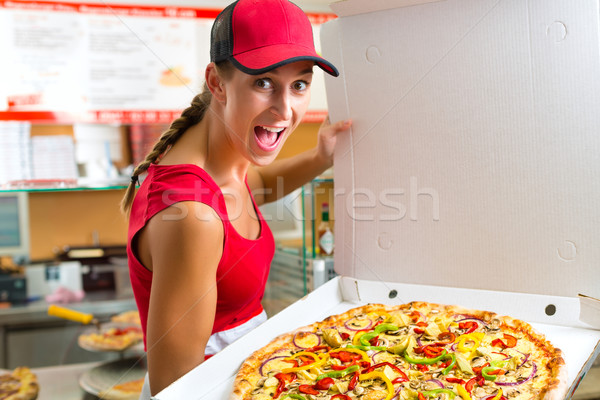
189,117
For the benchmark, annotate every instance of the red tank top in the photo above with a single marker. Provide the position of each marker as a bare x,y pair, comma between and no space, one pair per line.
244,266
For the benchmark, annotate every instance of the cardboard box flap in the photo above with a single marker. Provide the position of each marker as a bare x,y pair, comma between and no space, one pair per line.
589,310
474,152
345,8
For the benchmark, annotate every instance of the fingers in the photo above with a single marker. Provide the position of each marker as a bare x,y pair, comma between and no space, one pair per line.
344,124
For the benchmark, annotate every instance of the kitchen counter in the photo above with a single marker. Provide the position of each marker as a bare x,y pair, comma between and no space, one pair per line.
29,336
104,303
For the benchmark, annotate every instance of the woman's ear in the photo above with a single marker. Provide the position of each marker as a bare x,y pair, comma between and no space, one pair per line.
214,82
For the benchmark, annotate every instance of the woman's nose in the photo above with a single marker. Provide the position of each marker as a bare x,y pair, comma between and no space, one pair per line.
282,106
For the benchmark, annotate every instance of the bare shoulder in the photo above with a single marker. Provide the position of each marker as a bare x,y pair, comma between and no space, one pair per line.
184,221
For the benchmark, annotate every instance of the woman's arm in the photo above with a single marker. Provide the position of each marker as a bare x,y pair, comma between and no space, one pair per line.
281,177
185,242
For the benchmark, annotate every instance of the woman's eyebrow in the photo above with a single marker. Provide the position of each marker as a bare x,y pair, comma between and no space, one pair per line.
304,72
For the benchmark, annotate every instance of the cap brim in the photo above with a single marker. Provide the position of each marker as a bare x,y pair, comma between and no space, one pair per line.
265,59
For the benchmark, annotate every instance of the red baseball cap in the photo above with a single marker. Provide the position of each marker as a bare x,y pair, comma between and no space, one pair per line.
260,35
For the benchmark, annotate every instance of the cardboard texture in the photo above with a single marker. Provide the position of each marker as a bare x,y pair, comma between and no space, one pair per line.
469,176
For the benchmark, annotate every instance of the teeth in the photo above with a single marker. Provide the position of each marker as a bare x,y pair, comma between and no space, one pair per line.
276,130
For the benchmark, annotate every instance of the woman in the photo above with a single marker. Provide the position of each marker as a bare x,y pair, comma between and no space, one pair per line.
199,250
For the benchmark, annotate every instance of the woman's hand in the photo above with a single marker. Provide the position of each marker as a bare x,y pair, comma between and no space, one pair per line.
328,136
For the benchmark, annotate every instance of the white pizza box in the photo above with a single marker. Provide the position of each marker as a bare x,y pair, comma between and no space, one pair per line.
470,175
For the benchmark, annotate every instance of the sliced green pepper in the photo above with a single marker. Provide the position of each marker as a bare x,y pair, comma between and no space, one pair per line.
435,392
364,339
485,372
385,327
293,396
427,361
339,374
366,348
451,365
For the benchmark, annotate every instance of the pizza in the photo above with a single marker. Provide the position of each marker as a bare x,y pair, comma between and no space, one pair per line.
124,391
127,317
113,338
20,384
414,351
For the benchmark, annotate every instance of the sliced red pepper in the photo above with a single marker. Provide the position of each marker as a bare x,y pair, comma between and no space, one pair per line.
392,366
422,324
496,372
421,397
307,389
469,385
446,338
477,370
283,380
455,380
353,381
470,326
422,367
344,335
346,356
306,360
419,330
415,315
341,397
339,367
324,384
400,379
318,348
374,341
432,351
511,342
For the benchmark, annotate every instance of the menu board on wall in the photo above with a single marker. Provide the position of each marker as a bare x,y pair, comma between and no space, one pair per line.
77,62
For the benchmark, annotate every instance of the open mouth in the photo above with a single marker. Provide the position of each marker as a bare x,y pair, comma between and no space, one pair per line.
267,137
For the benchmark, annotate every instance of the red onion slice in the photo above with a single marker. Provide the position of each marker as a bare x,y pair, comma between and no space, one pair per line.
478,320
524,359
295,341
437,382
519,382
375,355
260,369
348,325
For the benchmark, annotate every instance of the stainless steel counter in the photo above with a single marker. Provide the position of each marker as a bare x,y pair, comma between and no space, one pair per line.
29,336
98,303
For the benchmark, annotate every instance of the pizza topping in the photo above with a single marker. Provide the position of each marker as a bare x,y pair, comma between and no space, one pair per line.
306,340
379,375
511,342
436,392
332,337
358,323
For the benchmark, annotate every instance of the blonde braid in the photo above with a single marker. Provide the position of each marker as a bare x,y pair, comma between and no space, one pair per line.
189,117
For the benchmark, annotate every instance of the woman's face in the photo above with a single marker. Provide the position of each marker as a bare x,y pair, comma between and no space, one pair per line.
261,111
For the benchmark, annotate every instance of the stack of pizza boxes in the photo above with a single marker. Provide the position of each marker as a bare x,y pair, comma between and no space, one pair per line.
470,176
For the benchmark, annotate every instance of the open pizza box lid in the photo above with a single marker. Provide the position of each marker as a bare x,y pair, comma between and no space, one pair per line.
470,175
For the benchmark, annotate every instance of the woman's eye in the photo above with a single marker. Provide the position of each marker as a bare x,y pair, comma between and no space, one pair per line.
264,83
300,85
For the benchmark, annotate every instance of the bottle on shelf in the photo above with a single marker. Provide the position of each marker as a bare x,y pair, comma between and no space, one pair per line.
325,233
